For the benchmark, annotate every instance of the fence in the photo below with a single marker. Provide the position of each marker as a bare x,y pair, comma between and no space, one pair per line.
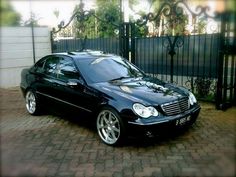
110,45
196,57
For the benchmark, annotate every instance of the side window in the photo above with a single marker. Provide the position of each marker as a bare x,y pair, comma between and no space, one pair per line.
67,69
39,66
51,66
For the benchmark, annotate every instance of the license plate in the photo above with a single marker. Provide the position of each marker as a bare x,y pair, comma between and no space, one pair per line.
182,121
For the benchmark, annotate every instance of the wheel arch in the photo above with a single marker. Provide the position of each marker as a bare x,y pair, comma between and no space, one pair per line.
111,106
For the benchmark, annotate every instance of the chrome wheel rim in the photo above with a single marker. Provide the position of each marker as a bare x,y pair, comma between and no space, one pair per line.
30,102
108,127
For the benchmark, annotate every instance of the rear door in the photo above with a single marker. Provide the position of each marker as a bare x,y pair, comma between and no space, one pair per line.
46,78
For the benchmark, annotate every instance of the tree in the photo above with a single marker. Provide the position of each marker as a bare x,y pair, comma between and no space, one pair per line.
231,5
156,4
102,22
108,13
9,17
84,23
140,29
172,24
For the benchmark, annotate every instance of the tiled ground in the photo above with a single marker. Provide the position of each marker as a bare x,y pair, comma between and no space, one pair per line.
51,145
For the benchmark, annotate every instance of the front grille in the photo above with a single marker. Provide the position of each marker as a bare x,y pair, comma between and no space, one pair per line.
176,107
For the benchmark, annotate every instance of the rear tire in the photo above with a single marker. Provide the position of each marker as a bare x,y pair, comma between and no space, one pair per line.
32,103
110,127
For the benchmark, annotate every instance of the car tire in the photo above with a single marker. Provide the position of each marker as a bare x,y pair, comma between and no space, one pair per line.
110,127
32,103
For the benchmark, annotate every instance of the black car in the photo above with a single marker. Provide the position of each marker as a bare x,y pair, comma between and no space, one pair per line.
124,99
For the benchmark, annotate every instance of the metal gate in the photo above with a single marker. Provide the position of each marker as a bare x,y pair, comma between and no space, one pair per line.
200,57
226,87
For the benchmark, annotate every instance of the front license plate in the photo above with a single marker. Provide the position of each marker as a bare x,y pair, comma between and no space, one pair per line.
182,121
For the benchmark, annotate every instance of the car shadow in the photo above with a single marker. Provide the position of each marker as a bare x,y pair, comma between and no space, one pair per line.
159,139
89,123
77,118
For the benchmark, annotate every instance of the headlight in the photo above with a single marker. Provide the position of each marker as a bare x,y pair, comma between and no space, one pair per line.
192,98
143,111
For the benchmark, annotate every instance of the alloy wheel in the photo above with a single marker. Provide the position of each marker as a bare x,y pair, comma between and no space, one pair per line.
30,102
108,127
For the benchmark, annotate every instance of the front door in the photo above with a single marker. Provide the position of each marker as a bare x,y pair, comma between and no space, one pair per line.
72,94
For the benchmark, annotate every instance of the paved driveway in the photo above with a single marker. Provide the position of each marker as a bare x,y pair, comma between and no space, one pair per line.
51,145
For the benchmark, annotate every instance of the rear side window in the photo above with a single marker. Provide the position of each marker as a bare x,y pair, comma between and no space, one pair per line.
39,66
51,66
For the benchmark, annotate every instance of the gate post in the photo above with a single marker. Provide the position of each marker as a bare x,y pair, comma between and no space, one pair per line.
132,43
226,75
219,99
52,41
124,40
121,36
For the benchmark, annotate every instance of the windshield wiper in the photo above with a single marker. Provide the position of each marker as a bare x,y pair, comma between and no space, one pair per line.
120,78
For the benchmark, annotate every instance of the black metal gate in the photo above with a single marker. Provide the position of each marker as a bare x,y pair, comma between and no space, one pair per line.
200,57
226,87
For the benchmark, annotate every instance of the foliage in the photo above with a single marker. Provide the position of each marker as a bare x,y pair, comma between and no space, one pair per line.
156,4
203,86
8,15
176,24
173,24
82,26
141,30
109,13
231,5
201,26
103,22
67,32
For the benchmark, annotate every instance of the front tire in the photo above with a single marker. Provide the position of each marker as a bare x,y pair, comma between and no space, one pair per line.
32,103
110,127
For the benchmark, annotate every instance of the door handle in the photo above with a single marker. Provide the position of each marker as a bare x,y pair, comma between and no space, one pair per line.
71,84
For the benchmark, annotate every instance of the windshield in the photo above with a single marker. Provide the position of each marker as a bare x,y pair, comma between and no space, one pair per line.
106,69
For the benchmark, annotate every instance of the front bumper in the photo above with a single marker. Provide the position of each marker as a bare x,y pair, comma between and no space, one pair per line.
152,127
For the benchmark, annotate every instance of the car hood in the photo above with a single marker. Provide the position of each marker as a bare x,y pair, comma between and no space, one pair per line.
143,90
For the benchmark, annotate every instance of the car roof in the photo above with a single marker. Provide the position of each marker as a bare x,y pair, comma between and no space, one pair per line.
86,54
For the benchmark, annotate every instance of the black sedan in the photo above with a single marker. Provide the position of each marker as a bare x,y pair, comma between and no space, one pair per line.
123,99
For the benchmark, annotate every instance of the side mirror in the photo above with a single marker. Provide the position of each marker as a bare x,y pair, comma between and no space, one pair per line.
75,82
